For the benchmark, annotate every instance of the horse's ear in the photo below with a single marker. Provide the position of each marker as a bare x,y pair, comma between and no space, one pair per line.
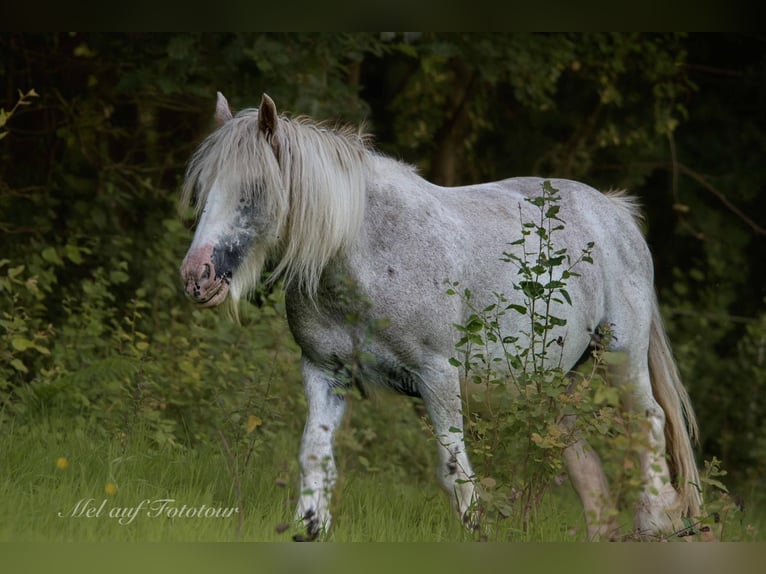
267,116
222,110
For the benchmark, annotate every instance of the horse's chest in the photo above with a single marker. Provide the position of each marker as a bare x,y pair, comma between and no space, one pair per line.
355,352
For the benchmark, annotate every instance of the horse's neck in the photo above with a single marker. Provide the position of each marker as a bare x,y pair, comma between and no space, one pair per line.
396,198
396,189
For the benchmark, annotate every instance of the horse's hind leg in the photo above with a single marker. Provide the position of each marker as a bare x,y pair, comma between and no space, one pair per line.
590,482
658,509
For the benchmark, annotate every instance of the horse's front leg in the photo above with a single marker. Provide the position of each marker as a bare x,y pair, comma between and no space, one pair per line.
440,390
325,413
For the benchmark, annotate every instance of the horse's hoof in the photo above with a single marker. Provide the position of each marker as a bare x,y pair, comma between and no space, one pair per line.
313,528
304,537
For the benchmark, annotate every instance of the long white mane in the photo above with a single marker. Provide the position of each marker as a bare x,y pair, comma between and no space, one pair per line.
309,181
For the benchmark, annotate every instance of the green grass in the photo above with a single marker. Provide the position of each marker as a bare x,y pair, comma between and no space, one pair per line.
372,503
39,497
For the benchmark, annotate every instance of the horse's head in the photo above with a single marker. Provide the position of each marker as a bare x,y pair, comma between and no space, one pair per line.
234,179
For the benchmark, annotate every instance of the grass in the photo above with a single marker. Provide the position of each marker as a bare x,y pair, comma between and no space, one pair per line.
41,492
46,469
121,472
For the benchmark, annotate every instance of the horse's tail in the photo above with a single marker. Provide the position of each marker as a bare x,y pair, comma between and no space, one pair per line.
680,422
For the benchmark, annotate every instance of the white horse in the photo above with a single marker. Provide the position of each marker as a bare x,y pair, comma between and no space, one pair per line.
323,208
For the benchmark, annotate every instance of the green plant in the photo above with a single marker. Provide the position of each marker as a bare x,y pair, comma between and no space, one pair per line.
526,403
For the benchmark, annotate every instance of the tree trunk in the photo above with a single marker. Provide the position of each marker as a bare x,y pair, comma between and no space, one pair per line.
446,166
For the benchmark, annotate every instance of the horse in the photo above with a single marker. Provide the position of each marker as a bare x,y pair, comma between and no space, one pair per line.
318,206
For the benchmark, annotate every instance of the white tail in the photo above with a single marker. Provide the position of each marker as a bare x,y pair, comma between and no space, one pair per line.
680,422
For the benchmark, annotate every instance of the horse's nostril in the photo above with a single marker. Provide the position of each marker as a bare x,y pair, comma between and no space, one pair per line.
205,272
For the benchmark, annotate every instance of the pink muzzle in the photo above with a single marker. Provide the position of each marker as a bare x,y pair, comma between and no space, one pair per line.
199,276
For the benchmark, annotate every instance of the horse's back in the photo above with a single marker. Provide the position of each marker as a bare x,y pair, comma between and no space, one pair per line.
495,213
610,289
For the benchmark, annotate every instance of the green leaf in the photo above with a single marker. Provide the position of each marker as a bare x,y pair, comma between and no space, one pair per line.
474,325
14,272
19,366
186,366
118,277
476,339
532,289
518,308
552,212
72,253
606,395
554,261
50,255
21,343
454,362
715,483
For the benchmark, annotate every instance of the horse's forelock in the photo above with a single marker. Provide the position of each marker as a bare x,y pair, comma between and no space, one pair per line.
314,194
236,156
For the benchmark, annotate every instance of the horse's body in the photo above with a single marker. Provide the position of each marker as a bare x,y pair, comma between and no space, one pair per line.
330,212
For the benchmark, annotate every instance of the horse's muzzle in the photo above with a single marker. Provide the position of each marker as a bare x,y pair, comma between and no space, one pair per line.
201,282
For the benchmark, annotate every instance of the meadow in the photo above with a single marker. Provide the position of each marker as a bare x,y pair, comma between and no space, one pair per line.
62,482
63,485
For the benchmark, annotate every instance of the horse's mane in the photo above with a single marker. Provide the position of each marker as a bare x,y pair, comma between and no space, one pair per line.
314,193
